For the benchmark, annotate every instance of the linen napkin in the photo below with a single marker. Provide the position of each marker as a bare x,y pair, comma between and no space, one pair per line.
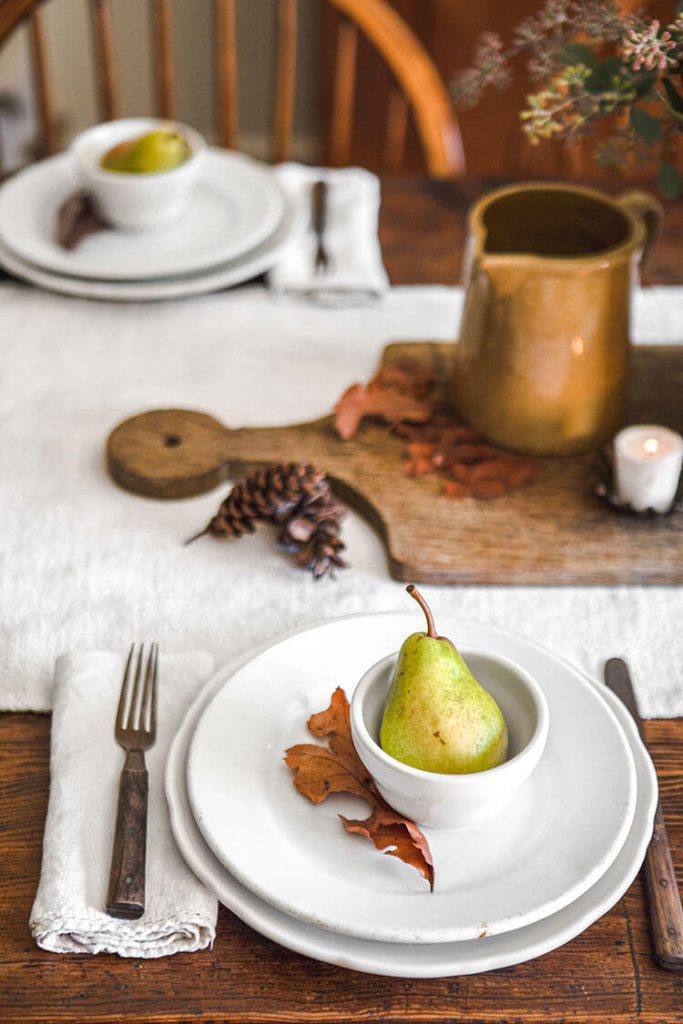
355,275
68,913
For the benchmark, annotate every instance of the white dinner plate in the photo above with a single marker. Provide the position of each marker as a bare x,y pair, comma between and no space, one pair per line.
234,272
558,835
238,203
417,961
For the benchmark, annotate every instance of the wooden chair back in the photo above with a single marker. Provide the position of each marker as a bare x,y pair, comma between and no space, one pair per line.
417,86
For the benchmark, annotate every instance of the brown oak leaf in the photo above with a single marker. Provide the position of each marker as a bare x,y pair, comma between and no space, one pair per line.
320,771
419,459
455,489
403,395
376,400
450,455
408,375
419,433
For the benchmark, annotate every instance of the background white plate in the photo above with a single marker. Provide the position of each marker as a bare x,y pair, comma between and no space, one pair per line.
238,203
420,961
234,272
559,834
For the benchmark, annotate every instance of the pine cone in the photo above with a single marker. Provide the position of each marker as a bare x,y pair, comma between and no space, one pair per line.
298,498
267,494
321,554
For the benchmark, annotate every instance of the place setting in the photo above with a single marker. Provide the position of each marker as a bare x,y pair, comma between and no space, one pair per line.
508,870
170,225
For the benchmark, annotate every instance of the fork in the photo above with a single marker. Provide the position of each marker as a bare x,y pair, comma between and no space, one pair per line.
135,731
319,224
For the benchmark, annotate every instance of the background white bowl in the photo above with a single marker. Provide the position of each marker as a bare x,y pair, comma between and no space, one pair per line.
136,202
454,801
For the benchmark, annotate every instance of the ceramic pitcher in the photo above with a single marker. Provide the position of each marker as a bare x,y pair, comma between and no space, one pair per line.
541,363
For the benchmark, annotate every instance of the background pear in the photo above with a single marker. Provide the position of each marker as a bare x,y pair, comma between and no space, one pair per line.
147,154
437,716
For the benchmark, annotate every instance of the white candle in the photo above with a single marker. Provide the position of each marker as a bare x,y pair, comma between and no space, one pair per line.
647,464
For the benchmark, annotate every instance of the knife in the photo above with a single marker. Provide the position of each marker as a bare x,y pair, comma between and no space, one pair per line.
663,898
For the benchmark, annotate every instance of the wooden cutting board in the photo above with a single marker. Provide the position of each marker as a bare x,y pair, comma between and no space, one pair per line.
553,530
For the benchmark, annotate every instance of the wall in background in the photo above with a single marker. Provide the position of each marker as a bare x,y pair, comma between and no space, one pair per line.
73,71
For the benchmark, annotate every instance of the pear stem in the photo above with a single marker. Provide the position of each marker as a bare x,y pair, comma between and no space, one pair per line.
414,592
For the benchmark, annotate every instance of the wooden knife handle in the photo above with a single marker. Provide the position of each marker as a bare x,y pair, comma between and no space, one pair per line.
126,898
666,914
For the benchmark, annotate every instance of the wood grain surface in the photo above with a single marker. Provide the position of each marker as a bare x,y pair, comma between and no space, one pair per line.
422,229
607,975
554,530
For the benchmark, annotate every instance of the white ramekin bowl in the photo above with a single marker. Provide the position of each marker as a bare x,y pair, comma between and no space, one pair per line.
136,202
454,801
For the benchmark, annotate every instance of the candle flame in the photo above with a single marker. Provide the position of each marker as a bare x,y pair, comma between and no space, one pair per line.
651,445
576,345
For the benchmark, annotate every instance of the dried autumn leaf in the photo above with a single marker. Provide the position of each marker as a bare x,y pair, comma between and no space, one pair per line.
419,459
461,472
520,471
491,469
385,403
457,433
320,771
408,375
454,489
488,489
419,433
403,395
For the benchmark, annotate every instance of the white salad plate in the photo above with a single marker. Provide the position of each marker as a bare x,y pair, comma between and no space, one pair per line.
237,204
556,837
421,960
234,272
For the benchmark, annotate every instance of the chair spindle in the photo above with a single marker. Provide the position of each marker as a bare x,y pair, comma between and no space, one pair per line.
107,82
397,126
226,40
344,92
41,83
285,82
164,60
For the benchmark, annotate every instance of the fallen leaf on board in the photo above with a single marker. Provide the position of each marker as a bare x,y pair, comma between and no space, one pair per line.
384,403
320,771
403,395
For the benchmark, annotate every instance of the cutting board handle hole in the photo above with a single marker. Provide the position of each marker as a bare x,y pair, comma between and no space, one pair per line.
172,440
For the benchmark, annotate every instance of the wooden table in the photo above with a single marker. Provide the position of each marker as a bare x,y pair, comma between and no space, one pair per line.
605,976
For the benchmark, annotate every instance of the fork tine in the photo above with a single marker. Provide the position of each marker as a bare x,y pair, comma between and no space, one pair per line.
155,693
148,709
125,686
133,709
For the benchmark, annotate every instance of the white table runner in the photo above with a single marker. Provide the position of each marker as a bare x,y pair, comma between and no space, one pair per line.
87,565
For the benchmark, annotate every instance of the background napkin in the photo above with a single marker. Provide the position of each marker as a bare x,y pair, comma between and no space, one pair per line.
85,764
83,562
355,274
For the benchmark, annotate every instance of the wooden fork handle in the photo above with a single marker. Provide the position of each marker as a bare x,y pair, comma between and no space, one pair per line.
319,208
126,896
666,915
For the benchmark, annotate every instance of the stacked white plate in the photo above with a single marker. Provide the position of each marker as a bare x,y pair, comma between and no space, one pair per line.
239,224
557,858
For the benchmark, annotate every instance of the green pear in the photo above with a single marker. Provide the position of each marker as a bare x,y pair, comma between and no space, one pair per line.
437,716
147,154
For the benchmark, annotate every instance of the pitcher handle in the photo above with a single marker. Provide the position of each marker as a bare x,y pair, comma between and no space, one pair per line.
650,213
